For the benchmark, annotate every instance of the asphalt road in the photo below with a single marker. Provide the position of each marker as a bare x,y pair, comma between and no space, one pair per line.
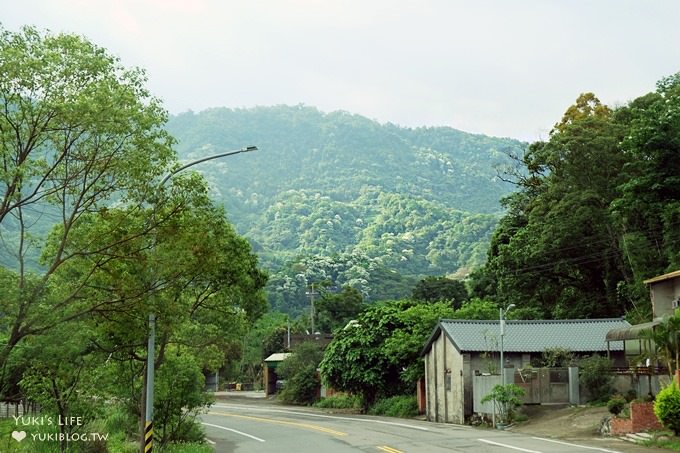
243,426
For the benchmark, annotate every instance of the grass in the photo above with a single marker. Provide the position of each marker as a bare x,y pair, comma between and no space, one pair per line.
404,406
115,444
339,402
663,440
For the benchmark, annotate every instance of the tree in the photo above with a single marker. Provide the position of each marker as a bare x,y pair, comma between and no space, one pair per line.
558,248
77,133
379,355
441,289
335,310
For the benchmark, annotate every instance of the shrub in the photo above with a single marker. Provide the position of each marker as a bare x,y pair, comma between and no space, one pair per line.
299,372
340,402
616,404
596,377
302,386
506,398
396,406
667,407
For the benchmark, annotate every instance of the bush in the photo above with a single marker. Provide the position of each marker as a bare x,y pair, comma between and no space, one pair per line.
616,404
667,407
299,373
301,387
340,402
506,398
596,377
396,406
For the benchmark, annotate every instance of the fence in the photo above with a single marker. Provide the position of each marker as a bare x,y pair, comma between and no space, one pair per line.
18,408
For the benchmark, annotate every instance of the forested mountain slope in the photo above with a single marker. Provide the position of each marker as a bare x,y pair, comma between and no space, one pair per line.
420,201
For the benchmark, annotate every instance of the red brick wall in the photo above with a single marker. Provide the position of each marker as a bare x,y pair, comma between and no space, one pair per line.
620,426
642,418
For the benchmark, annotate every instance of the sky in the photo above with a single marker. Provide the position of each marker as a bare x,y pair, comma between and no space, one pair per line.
506,68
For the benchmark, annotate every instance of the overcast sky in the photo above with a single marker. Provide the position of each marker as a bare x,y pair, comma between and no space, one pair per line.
497,67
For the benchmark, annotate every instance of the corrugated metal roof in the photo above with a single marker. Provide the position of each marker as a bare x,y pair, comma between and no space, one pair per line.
630,333
663,277
577,335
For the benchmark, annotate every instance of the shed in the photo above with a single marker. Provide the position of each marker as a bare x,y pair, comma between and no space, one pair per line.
457,349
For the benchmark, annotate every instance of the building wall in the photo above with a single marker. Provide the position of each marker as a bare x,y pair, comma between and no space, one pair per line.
663,293
444,383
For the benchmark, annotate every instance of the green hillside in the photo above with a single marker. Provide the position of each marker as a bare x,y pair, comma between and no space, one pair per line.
419,201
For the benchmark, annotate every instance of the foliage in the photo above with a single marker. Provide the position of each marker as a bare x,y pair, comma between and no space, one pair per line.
665,342
179,398
616,404
667,407
595,376
579,237
380,355
339,402
441,289
506,399
299,371
415,201
333,311
556,357
404,406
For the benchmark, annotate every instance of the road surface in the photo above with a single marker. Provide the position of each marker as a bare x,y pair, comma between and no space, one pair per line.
243,426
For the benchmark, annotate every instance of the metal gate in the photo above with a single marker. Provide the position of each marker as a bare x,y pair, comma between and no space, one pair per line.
543,385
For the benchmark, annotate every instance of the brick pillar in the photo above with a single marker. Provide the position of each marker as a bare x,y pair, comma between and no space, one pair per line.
677,377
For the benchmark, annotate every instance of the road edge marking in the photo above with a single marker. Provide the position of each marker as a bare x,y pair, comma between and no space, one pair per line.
576,445
234,431
508,446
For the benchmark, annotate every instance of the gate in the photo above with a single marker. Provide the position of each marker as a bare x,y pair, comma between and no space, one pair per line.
543,385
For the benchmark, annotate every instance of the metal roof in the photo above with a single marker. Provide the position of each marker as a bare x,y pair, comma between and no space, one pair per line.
660,278
577,335
278,357
630,333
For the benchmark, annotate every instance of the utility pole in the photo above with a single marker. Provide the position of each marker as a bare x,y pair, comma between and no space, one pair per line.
147,439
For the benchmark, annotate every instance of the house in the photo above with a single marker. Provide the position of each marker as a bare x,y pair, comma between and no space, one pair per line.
664,292
459,349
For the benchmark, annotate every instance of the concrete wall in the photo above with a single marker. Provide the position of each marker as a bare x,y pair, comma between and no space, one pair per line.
663,293
444,383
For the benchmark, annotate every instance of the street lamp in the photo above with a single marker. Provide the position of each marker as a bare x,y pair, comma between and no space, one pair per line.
502,319
148,426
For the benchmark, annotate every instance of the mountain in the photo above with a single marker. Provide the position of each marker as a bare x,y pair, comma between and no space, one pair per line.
420,201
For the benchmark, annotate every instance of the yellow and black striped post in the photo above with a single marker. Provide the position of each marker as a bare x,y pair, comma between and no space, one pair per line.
148,437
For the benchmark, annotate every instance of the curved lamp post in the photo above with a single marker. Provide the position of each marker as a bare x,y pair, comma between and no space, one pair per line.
148,426
502,319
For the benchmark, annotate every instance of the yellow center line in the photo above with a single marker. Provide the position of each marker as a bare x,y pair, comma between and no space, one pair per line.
284,422
389,449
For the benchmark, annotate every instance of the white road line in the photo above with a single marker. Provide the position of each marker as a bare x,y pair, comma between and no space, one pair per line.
211,442
233,431
576,445
310,414
508,446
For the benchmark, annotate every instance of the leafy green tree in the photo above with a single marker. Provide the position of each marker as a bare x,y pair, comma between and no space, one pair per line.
334,310
379,355
558,249
77,133
441,289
